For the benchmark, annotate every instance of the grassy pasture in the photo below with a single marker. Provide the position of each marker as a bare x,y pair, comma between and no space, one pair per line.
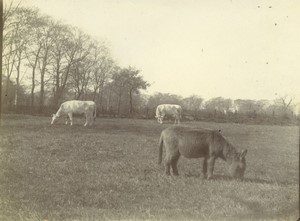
109,172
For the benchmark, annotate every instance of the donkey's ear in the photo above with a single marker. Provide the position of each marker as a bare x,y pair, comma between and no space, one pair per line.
243,154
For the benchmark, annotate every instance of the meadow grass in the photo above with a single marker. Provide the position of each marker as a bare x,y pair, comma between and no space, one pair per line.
109,171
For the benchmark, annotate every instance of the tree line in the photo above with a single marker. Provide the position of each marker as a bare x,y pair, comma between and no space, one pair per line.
46,62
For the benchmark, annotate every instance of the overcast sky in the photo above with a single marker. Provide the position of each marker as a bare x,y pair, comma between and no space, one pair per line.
234,49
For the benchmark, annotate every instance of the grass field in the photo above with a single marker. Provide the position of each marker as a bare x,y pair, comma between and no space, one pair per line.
109,172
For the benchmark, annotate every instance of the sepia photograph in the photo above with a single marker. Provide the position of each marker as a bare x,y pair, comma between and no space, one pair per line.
129,110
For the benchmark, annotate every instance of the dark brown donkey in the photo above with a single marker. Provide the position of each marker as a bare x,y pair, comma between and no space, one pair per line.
196,143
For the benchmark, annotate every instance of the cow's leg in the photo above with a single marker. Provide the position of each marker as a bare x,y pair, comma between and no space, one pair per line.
211,164
91,118
158,119
86,119
161,119
67,118
174,162
204,167
71,118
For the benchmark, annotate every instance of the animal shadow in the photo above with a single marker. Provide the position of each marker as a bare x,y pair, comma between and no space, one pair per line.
222,177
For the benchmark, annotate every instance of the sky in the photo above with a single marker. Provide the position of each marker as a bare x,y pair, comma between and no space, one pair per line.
235,49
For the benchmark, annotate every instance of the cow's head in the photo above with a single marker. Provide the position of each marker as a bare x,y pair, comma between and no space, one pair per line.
238,165
54,118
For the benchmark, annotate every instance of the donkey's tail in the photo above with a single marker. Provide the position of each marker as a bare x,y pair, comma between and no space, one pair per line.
161,143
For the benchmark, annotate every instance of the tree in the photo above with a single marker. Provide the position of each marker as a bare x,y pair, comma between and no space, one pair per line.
193,104
135,83
47,43
1,50
284,104
67,42
127,81
9,48
23,20
82,66
103,66
219,104
33,51
163,98
118,85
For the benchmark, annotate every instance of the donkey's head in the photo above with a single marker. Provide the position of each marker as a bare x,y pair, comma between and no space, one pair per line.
238,165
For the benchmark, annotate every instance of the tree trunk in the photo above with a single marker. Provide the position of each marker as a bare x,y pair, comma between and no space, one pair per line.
119,103
42,93
94,94
33,77
17,81
108,99
9,72
130,102
32,88
42,88
100,98
1,49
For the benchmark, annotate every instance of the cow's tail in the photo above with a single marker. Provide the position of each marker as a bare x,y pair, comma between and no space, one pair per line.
161,143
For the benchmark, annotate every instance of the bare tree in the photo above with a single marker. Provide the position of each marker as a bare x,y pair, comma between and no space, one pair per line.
46,40
23,20
284,104
34,49
83,64
68,43
193,104
218,105
118,84
103,65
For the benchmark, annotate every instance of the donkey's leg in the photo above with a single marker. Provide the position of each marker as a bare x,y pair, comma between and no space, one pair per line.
204,167
168,165
211,164
174,162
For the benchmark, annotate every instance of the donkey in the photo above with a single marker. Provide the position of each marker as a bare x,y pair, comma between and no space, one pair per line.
196,143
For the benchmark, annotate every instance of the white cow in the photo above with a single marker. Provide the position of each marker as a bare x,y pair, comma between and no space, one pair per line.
296,109
168,109
234,109
76,107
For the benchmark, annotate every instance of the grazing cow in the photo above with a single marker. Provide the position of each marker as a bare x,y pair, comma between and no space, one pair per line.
168,109
77,107
196,143
296,110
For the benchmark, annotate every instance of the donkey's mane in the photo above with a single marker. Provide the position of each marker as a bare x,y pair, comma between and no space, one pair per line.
229,151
